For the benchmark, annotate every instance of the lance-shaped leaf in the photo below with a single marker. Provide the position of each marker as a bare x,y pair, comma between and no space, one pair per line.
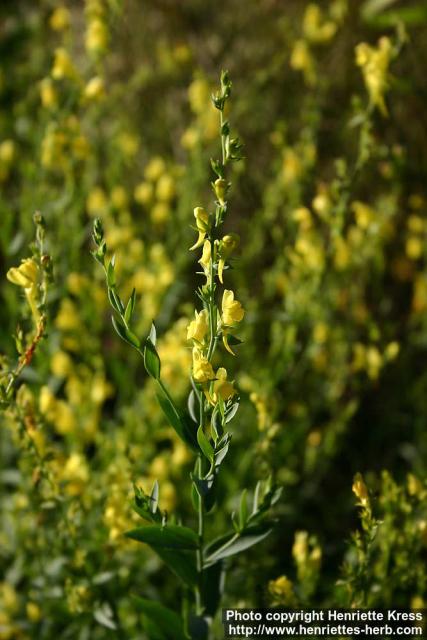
204,444
125,334
175,545
234,543
130,306
213,580
151,359
168,537
160,622
182,563
182,425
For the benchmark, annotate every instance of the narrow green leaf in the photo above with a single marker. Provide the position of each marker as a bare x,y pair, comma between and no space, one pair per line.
111,276
231,412
151,360
205,445
168,537
154,497
243,509
130,307
213,587
179,422
114,300
104,616
256,497
193,405
235,543
168,623
125,333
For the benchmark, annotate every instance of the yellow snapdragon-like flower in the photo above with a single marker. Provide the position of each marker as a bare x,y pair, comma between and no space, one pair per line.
198,328
202,224
26,276
232,310
228,244
316,27
202,368
205,260
220,187
374,63
222,387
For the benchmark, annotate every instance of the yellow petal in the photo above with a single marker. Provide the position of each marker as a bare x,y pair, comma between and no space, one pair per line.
226,345
200,241
221,264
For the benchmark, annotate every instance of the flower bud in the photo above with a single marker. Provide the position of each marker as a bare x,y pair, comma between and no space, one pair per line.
220,188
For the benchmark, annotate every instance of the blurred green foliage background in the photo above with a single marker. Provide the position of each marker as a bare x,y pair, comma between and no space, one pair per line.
105,111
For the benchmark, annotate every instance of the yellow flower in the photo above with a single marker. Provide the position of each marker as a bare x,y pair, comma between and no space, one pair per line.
220,188
414,247
292,166
302,60
48,95
96,36
282,591
60,19
198,328
119,197
154,169
374,63
228,244
62,65
95,89
47,402
202,224
7,151
96,201
25,275
33,612
205,260
143,192
199,93
360,490
61,364
315,27
165,190
75,473
232,310
363,214
222,387
202,368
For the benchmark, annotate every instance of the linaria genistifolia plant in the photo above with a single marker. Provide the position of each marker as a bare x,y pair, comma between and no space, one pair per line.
32,276
213,403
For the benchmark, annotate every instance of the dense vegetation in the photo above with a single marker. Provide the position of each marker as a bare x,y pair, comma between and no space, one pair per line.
106,115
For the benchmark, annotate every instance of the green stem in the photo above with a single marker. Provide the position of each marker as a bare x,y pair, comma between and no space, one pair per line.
201,533
221,121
